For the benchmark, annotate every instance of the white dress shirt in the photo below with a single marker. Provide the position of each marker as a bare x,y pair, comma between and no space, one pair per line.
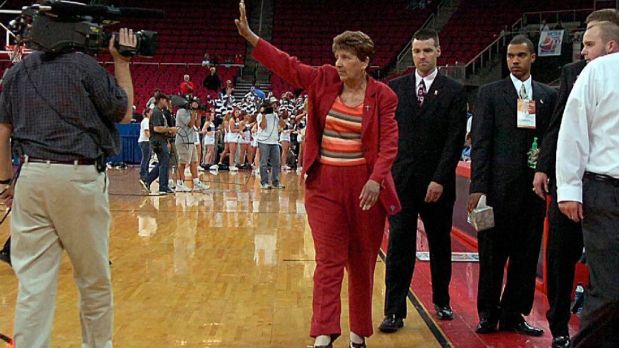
428,80
527,85
589,133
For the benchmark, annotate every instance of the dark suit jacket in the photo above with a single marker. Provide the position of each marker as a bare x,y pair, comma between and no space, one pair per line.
379,135
548,149
499,157
431,137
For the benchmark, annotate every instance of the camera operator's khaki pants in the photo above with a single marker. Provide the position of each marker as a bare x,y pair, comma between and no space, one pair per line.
56,207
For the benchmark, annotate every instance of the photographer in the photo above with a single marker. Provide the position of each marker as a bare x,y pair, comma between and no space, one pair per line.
186,134
160,130
268,136
61,198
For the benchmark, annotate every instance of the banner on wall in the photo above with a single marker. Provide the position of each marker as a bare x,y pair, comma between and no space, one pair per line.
550,43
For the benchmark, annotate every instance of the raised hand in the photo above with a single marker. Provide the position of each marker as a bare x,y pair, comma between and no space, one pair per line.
242,25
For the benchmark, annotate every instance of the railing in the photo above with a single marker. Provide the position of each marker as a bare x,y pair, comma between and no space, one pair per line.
555,16
407,49
489,53
456,72
430,21
485,56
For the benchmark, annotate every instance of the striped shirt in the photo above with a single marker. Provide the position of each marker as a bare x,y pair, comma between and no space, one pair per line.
341,138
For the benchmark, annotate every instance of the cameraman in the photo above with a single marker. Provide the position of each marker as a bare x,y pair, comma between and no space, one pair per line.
268,136
186,120
160,131
61,198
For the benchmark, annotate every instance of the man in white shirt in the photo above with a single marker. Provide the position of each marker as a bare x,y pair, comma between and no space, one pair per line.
144,144
588,169
268,136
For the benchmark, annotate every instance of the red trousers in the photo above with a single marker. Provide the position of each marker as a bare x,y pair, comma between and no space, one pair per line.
344,237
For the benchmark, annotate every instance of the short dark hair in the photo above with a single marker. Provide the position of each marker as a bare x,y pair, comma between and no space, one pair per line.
160,96
604,15
521,39
427,34
356,42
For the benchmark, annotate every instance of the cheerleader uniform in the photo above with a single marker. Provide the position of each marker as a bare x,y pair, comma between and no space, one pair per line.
285,134
209,137
231,137
245,137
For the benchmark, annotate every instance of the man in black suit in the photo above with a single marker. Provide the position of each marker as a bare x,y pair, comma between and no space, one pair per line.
565,241
511,116
431,117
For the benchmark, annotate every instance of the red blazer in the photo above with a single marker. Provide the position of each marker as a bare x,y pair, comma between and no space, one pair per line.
379,134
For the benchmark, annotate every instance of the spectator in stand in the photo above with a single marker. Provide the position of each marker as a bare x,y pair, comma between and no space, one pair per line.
228,88
144,144
187,87
466,152
226,95
212,83
256,92
206,60
344,184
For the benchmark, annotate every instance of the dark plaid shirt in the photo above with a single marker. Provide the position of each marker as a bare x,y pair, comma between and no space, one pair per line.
62,108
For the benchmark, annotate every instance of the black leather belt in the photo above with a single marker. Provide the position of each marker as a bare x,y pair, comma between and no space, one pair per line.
79,162
603,178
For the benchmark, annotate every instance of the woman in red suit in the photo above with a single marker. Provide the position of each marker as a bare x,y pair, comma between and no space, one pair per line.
351,143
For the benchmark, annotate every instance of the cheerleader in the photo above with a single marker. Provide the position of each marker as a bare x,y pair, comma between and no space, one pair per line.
245,140
225,125
232,126
284,137
208,132
300,130
254,153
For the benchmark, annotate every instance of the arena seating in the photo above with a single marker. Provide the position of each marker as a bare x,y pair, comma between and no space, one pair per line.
477,23
305,28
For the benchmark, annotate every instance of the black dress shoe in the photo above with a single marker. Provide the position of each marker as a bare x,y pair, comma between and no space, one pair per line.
391,324
444,312
561,342
486,325
357,345
521,327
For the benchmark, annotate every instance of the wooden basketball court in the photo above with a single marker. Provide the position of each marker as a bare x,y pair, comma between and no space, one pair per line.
231,267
